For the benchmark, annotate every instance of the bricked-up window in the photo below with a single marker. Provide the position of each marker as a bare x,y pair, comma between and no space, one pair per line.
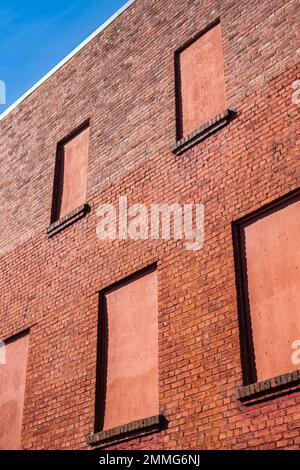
12,390
268,270
71,174
200,81
128,356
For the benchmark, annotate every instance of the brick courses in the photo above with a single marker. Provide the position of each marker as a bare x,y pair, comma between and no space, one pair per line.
123,82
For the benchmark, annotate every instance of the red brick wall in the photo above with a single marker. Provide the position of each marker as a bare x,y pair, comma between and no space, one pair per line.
123,81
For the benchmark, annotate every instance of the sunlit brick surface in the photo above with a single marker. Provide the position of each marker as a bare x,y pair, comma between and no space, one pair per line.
124,82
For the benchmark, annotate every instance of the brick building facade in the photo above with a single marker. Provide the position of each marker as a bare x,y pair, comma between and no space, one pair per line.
143,344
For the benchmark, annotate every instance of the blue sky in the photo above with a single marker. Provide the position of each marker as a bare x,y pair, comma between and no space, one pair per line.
35,36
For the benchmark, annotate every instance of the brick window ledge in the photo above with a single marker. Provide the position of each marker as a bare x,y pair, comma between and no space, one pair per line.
127,431
285,383
218,122
67,220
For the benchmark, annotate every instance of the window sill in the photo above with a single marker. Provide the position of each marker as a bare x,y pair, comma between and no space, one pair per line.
267,389
67,220
203,132
127,431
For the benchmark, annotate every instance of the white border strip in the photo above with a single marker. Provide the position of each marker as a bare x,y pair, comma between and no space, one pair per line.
66,59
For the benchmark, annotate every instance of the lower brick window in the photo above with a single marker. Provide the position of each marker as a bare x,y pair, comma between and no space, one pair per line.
127,399
268,277
12,389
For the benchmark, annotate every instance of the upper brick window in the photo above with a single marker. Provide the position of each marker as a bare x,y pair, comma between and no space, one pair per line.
71,174
12,390
200,82
269,277
128,339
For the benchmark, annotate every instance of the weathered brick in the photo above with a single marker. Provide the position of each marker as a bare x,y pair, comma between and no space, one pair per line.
123,82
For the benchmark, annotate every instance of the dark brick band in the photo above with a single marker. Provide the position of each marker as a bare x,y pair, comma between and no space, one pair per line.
266,387
204,131
67,220
153,423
